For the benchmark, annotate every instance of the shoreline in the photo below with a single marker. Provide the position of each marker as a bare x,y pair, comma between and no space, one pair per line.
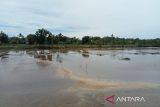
68,46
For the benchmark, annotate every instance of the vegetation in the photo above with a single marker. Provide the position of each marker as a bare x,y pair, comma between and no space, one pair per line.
3,38
43,37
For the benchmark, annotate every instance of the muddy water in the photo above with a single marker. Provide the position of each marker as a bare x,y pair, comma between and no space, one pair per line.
79,79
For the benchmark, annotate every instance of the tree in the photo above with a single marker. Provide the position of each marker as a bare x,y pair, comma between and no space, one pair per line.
21,39
61,39
74,40
14,40
3,38
96,40
32,39
42,34
85,40
49,39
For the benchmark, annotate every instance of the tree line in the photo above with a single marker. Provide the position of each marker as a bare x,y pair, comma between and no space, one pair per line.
43,36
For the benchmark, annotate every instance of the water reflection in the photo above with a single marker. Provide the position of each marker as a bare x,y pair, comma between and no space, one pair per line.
30,52
59,58
85,55
4,55
43,55
63,50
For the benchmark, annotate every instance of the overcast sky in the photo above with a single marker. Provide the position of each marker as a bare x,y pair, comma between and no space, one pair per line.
124,18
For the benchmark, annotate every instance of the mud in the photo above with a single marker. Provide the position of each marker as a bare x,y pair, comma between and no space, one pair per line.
43,61
93,84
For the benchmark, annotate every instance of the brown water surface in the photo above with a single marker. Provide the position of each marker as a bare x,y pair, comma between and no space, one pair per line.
77,79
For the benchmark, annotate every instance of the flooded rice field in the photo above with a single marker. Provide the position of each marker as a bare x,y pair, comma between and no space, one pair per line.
79,78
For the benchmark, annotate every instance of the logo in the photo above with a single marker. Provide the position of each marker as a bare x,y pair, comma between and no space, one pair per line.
113,99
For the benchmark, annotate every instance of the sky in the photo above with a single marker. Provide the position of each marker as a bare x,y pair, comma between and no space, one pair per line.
123,18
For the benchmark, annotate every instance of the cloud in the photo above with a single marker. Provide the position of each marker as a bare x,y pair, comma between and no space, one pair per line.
124,18
9,26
